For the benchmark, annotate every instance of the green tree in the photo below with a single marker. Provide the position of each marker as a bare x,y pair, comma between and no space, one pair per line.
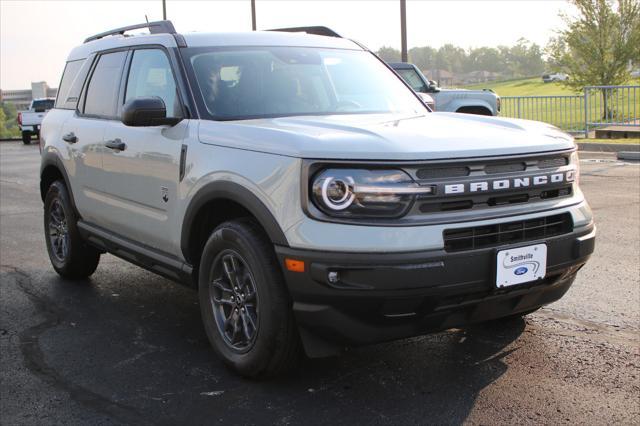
524,59
389,54
8,123
3,122
485,59
423,57
598,45
450,58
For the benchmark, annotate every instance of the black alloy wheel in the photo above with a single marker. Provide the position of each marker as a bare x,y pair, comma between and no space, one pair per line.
234,300
58,232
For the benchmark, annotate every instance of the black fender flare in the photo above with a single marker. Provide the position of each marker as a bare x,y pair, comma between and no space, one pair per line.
238,194
50,159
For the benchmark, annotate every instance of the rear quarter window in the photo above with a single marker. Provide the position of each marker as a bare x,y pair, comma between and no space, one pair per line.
70,86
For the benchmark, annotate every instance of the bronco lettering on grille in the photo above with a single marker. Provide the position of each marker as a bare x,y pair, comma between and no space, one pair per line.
509,183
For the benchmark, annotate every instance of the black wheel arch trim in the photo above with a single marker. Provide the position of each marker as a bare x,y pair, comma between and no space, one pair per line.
50,159
238,194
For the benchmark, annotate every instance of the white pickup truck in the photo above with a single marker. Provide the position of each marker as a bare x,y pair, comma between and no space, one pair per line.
481,102
29,120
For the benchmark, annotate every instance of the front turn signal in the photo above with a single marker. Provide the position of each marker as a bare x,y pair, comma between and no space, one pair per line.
294,265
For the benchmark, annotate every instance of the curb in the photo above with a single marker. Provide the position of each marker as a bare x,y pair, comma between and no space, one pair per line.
607,147
629,155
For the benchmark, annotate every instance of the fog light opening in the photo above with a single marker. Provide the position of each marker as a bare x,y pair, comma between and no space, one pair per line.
333,277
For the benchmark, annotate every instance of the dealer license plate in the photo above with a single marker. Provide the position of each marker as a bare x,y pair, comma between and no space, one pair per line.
521,265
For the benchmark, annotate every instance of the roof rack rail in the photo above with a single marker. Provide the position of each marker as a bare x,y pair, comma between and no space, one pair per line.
157,27
315,30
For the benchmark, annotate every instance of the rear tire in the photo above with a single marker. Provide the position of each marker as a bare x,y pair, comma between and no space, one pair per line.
245,307
26,138
69,254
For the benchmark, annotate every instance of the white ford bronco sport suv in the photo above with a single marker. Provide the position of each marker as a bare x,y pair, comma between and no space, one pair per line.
304,189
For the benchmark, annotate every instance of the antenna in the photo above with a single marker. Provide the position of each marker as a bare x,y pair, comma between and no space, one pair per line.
145,17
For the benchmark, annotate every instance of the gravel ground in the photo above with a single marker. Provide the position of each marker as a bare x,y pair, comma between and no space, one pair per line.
128,346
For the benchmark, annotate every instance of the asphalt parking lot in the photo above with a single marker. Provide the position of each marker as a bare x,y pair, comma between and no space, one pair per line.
128,347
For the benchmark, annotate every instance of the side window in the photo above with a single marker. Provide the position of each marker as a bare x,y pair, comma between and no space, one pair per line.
102,93
150,75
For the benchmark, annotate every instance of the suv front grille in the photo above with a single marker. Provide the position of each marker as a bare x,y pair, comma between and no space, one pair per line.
506,233
487,172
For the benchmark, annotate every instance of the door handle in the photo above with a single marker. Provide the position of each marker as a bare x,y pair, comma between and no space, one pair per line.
116,144
70,137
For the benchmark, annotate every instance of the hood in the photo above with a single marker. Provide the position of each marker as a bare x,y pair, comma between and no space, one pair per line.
468,91
436,135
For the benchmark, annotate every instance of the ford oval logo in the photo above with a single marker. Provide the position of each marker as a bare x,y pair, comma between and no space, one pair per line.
521,270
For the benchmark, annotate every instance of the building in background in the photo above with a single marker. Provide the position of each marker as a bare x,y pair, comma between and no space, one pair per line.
481,77
22,98
444,78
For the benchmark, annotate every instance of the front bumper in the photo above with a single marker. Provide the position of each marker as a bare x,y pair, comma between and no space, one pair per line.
386,296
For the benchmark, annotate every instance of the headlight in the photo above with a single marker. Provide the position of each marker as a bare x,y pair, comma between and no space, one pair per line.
358,193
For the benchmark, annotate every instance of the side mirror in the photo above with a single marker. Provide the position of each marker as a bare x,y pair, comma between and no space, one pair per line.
146,112
433,86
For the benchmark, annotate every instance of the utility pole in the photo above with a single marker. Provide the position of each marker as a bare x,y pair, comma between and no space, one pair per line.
164,10
253,15
403,30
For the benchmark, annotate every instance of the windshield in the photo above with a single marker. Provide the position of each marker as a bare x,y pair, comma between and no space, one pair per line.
413,79
256,82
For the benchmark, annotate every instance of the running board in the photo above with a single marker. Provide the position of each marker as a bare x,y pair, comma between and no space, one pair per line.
143,256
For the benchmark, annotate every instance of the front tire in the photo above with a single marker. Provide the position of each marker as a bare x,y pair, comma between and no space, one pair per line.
245,307
70,256
26,138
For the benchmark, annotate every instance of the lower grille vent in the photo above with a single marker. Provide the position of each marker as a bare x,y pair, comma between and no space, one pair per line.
506,233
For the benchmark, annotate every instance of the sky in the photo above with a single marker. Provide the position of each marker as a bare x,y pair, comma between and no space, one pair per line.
36,36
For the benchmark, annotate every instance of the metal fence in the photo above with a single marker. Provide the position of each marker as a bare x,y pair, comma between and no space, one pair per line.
597,106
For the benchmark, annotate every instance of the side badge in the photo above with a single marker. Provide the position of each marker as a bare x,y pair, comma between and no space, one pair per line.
165,193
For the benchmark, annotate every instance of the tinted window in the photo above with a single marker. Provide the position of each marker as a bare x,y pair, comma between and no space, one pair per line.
71,71
103,88
73,94
42,105
239,83
150,75
413,79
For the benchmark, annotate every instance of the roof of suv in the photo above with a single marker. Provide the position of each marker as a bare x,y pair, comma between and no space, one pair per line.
253,38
